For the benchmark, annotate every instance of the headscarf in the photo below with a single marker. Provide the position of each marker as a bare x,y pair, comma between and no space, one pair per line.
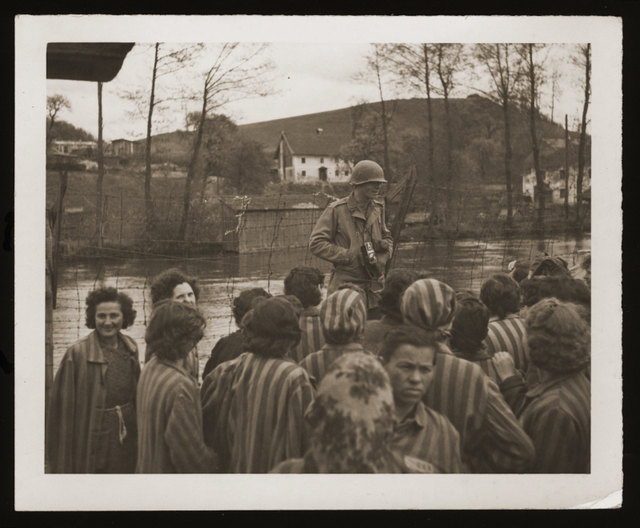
352,418
343,315
429,304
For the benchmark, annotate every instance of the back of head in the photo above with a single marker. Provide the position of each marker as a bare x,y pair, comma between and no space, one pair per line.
545,265
271,327
343,315
501,294
396,282
304,282
429,304
174,329
162,285
352,417
563,288
242,303
470,326
558,338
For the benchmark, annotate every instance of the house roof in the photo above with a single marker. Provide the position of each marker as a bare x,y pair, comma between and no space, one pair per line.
318,143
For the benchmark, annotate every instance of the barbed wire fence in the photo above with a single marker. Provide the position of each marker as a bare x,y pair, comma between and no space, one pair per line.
230,248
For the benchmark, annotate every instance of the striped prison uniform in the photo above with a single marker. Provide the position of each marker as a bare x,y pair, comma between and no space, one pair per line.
253,412
509,335
491,437
192,362
483,360
170,436
556,415
311,339
429,436
317,363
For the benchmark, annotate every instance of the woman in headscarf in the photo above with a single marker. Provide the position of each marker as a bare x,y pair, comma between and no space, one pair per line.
91,427
343,315
351,422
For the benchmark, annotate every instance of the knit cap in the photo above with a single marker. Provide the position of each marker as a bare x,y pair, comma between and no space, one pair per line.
428,304
343,314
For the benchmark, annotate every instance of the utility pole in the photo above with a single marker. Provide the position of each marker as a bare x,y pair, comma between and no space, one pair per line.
566,167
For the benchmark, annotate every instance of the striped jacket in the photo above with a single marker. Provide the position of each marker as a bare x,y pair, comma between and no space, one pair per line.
311,339
253,412
430,437
192,362
483,360
491,437
317,363
76,407
170,422
509,335
556,415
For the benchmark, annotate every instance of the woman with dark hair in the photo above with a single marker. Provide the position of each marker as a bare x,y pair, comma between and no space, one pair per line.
91,427
304,282
555,412
169,413
174,284
231,346
501,295
253,405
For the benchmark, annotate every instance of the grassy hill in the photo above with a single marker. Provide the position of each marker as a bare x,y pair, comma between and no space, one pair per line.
477,128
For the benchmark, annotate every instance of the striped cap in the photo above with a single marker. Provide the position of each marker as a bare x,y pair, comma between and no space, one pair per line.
428,304
343,314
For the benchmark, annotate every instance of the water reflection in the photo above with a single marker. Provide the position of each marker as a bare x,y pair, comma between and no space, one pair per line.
464,264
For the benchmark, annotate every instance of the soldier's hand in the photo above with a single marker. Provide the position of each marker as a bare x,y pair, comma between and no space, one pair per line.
381,246
505,367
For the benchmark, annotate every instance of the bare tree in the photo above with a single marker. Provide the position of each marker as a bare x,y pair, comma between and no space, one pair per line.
504,67
448,62
533,76
413,66
167,61
99,193
376,67
585,60
236,72
55,104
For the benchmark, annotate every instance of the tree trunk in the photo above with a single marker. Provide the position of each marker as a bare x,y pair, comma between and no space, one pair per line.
507,160
191,172
534,142
99,193
148,200
583,135
385,128
566,167
430,161
450,176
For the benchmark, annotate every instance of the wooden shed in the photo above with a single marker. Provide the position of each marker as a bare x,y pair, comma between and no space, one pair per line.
272,223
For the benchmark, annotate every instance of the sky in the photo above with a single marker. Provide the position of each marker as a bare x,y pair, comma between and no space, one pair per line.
307,77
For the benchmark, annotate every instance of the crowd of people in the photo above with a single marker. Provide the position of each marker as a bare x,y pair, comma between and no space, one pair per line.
444,381
390,373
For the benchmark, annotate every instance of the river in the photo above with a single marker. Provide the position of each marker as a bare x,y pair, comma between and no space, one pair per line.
464,264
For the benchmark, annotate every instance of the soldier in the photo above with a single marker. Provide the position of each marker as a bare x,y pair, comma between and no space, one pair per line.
352,235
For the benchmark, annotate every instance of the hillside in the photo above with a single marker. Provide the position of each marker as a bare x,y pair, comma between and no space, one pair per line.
477,130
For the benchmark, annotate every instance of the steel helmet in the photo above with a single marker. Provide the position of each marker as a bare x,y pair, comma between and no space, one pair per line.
367,171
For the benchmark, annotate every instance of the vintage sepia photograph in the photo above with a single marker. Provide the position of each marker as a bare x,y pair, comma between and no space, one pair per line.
269,257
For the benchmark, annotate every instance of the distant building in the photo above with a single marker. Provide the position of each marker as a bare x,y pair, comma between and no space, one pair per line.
72,147
126,148
555,185
311,157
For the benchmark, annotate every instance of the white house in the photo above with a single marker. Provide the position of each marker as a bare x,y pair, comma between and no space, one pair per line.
554,179
311,157
69,147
